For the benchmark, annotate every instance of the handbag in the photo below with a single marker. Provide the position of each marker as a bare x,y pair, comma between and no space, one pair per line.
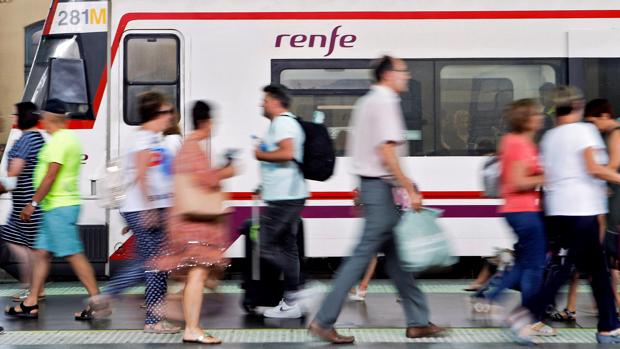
420,243
195,203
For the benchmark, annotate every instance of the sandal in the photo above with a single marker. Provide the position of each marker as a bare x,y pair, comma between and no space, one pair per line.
93,312
26,312
541,329
162,327
564,316
206,339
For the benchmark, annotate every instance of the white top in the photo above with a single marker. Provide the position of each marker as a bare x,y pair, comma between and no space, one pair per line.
377,119
173,143
569,189
283,180
158,175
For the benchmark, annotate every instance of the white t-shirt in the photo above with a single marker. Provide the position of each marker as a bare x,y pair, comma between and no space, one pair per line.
173,143
377,119
283,180
158,175
569,189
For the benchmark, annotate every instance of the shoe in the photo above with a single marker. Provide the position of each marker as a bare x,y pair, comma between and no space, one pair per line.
162,327
427,331
612,338
284,311
358,296
563,316
1,330
541,329
329,335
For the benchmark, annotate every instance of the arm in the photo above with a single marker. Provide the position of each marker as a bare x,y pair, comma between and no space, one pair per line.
520,180
391,162
285,152
15,167
601,172
142,166
43,190
614,151
226,172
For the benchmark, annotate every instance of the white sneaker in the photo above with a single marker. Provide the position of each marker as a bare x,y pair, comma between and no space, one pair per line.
358,296
284,311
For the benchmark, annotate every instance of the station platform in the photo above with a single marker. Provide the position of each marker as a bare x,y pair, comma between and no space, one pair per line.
376,323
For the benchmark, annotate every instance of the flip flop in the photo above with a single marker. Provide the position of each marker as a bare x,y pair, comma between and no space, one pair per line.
207,340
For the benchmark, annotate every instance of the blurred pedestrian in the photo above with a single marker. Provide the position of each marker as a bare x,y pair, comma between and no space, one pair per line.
149,194
22,160
520,180
574,161
196,249
376,143
285,192
56,179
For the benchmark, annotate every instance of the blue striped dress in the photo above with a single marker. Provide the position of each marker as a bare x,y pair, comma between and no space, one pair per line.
17,231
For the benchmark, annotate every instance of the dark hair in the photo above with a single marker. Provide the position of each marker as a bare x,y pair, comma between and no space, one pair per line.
27,115
382,66
564,99
279,92
518,113
149,104
174,128
597,107
55,106
200,113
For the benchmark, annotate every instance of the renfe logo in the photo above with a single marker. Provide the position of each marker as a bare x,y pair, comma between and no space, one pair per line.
317,40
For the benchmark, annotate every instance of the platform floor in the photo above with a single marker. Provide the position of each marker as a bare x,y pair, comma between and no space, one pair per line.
377,323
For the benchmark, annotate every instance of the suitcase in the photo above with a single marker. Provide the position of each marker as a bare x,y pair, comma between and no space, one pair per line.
262,282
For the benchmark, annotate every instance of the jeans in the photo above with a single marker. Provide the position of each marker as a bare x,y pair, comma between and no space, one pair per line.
580,236
530,254
278,239
381,216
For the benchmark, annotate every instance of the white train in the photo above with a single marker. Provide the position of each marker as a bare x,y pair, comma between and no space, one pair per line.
468,59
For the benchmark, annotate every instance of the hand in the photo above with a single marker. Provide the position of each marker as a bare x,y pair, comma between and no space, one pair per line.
26,213
416,201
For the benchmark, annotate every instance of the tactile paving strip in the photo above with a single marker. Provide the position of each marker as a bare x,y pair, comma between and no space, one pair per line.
233,287
367,335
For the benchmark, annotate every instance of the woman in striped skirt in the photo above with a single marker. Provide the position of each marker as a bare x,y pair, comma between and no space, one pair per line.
20,235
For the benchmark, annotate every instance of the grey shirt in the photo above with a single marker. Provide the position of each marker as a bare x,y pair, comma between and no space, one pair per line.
377,119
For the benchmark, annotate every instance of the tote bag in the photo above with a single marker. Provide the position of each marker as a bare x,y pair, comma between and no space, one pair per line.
420,243
196,204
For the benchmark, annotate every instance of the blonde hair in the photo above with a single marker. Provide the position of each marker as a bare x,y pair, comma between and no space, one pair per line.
564,98
517,114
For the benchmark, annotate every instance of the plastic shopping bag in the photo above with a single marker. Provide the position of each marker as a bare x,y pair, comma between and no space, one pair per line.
420,243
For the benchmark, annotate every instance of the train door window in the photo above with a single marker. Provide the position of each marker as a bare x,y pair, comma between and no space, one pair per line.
151,64
472,95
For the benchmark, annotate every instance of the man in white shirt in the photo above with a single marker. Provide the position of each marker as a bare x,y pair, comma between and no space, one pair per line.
284,190
376,143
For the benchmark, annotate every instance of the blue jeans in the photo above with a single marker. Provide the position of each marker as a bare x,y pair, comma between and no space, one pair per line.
530,255
380,218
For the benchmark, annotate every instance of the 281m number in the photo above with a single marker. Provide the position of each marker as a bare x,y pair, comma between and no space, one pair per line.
88,16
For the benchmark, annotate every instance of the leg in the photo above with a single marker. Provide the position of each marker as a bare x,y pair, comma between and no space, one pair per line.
380,218
413,299
39,275
571,300
278,239
85,273
156,284
24,260
370,271
192,301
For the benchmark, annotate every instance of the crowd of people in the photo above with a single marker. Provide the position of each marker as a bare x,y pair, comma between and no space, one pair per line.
560,230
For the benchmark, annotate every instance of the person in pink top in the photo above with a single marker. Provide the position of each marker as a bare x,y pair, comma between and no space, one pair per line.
521,178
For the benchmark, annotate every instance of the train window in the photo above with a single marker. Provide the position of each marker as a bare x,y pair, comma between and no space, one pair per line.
329,79
471,98
151,64
601,80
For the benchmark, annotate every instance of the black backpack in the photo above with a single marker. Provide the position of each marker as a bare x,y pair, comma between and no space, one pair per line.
319,155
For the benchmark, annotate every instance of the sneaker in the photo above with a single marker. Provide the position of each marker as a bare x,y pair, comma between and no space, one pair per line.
358,296
612,338
284,311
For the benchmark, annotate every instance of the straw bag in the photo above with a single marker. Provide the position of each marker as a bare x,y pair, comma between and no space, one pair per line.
196,204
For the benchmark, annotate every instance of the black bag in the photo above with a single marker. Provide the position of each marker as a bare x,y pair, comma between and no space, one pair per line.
319,155
263,283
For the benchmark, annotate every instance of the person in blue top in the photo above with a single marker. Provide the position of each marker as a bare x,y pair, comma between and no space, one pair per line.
285,192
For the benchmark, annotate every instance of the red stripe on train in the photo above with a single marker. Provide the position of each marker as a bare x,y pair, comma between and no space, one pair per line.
347,195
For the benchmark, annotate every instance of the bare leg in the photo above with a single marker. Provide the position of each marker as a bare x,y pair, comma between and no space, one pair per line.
192,301
39,273
24,260
370,271
84,271
615,275
571,300
484,275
